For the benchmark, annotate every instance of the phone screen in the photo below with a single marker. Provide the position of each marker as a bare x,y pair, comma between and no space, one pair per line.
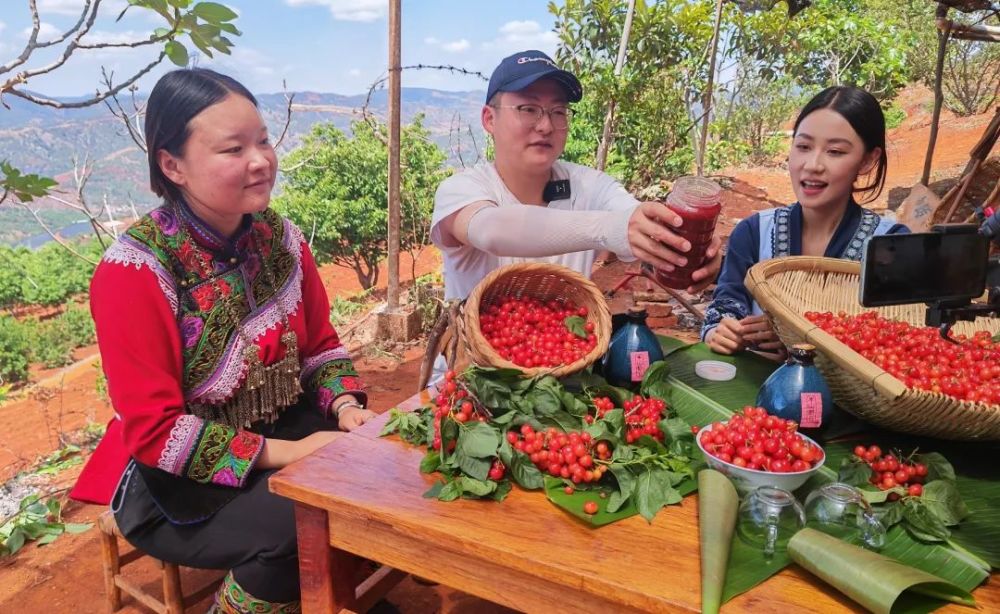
923,267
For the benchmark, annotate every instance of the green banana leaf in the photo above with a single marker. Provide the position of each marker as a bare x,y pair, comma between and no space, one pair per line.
670,344
699,401
555,491
979,534
717,506
748,567
875,581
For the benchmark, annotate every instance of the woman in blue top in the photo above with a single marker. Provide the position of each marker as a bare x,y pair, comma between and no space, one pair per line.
838,150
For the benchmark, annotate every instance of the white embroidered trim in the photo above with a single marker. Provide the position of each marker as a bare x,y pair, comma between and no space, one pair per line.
182,437
126,253
220,386
309,365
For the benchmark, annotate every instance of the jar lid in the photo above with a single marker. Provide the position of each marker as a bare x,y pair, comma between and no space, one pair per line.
715,370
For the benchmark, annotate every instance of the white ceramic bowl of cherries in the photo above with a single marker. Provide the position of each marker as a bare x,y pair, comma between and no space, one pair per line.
756,449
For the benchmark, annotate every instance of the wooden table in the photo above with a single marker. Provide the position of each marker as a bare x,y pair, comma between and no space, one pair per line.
362,495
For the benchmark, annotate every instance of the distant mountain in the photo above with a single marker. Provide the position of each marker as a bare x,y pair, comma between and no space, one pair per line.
45,140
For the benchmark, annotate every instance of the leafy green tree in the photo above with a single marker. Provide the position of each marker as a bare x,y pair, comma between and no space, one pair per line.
842,43
971,75
660,88
335,190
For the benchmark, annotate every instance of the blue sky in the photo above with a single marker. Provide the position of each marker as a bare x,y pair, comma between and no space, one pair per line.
319,45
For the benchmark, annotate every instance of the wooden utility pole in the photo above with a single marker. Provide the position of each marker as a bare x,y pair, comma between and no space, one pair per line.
605,144
707,101
395,74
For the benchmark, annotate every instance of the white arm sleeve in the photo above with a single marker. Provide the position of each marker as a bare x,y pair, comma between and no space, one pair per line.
527,231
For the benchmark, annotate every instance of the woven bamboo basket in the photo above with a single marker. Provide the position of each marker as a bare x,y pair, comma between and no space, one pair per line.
544,282
786,288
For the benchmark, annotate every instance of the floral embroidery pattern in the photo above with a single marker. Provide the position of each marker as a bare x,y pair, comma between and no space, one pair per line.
869,222
332,379
311,363
224,455
214,360
231,598
191,328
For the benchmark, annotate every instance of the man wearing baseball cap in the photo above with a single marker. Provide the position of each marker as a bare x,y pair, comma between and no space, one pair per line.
527,205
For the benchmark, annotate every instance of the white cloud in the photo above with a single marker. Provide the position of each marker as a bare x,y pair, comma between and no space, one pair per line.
354,72
75,7
2,26
450,46
456,46
521,35
248,62
348,10
104,36
60,7
46,32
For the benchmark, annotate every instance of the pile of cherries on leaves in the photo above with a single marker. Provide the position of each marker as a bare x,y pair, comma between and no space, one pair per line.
488,429
968,370
915,490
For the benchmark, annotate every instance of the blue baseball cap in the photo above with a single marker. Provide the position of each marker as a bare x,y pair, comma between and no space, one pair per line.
520,70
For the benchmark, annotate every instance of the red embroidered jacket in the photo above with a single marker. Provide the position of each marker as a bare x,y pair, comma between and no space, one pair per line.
164,342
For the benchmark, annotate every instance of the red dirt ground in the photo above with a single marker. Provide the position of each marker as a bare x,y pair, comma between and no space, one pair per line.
66,576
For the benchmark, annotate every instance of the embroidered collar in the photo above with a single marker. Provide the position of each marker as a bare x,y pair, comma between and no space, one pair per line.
207,237
786,237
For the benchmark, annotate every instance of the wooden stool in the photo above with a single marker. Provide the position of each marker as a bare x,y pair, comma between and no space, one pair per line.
173,602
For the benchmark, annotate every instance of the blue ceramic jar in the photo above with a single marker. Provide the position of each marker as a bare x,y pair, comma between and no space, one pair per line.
797,391
633,348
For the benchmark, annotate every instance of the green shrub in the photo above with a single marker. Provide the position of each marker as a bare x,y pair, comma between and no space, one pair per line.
14,347
894,117
343,310
50,343
78,325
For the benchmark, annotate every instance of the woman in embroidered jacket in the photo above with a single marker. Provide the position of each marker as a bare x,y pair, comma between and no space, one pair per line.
838,142
221,362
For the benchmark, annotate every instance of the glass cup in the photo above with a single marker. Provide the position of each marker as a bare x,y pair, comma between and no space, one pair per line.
841,509
768,518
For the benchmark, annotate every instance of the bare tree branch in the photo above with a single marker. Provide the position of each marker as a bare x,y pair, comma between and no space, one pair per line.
55,236
99,97
288,114
23,76
130,44
127,118
36,25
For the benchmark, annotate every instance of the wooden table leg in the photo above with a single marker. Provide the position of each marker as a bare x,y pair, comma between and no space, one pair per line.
326,575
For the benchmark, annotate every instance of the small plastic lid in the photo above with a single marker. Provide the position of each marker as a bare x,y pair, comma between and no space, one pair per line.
715,370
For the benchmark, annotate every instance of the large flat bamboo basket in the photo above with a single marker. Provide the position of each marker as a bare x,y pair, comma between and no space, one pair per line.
786,288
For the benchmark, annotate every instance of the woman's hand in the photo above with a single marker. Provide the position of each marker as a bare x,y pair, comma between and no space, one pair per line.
353,417
727,337
761,337
278,453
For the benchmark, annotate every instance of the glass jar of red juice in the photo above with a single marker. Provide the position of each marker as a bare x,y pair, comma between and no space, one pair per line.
698,201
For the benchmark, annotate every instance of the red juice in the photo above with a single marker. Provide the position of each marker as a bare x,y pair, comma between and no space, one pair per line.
698,202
